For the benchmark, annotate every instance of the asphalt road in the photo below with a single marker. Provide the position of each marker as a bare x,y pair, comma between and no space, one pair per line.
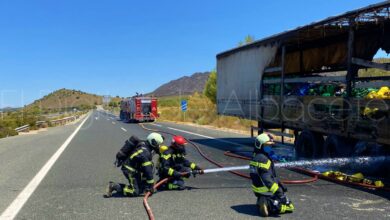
73,188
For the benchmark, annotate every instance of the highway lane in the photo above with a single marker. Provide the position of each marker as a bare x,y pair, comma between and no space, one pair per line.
21,157
74,186
314,200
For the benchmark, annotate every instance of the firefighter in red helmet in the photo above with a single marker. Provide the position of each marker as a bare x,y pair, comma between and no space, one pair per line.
173,163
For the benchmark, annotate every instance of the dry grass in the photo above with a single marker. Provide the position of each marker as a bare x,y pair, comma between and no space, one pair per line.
200,111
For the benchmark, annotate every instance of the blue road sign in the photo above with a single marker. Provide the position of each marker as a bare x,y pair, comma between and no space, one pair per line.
183,105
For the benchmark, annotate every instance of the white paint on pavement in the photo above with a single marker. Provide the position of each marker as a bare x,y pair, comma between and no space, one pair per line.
14,208
188,132
208,137
156,125
113,123
123,129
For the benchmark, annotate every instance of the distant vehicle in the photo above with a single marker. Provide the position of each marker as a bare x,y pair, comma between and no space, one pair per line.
307,80
138,109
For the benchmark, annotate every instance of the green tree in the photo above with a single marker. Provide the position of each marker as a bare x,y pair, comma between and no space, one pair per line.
113,104
248,39
210,90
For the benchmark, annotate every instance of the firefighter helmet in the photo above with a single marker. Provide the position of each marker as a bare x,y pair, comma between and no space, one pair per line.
155,140
262,139
178,142
163,148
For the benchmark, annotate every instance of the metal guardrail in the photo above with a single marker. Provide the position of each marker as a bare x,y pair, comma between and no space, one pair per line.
62,121
23,128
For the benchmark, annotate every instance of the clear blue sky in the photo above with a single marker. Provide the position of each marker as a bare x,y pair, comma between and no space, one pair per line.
120,47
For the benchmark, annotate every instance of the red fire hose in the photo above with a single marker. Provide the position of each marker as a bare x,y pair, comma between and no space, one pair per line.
148,194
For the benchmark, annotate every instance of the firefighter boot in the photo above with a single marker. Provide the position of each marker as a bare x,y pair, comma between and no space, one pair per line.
262,204
112,187
176,185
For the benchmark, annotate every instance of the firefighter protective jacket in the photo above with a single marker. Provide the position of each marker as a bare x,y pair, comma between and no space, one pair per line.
170,161
263,175
141,161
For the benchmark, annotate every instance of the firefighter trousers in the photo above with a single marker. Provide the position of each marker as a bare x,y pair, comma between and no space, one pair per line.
134,188
178,183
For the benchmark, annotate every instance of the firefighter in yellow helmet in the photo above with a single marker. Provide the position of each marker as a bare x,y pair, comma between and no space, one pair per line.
270,193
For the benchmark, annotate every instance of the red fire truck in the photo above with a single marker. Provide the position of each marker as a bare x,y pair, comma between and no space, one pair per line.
138,109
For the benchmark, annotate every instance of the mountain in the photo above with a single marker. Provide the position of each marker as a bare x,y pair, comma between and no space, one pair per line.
185,85
8,109
66,99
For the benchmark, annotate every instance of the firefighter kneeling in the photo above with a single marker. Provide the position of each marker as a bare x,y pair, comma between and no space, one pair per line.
266,186
135,160
173,163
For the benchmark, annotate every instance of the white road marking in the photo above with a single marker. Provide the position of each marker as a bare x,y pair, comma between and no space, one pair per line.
208,137
156,125
14,208
96,118
113,123
123,129
108,119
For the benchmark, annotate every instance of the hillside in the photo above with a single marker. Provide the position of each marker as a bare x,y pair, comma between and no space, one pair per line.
185,85
375,72
65,99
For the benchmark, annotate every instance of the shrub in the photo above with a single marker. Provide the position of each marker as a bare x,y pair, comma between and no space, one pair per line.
5,132
210,90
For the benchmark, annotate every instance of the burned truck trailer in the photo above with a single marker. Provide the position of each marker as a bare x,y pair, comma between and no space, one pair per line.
312,80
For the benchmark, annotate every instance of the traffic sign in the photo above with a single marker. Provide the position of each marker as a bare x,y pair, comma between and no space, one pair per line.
183,105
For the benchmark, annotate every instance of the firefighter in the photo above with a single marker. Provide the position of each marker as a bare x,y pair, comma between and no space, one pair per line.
270,193
173,163
138,168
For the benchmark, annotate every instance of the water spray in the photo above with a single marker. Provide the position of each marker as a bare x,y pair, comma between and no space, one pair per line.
354,161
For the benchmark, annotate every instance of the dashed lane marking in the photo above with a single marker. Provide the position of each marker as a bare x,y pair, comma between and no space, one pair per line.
208,137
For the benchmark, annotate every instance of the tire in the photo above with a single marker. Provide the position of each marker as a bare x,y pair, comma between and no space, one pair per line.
309,145
121,115
337,146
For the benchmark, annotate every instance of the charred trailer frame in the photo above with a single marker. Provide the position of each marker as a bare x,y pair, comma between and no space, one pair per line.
324,53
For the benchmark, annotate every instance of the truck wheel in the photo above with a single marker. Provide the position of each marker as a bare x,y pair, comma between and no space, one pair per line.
337,146
309,145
